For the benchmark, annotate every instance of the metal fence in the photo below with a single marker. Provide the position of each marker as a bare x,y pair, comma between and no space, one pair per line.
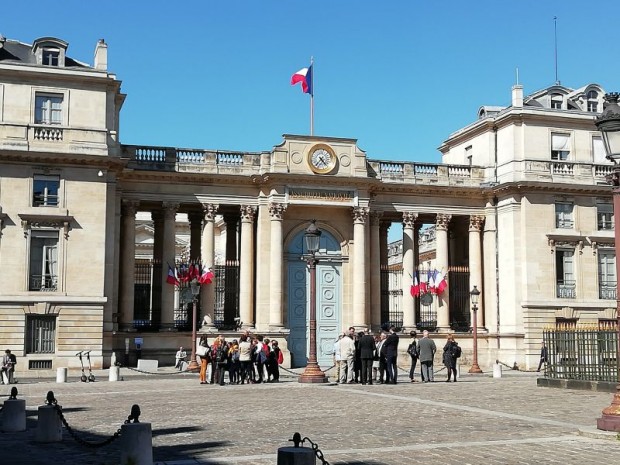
586,353
391,296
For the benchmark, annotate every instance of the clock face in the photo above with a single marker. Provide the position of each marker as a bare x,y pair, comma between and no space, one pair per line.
322,159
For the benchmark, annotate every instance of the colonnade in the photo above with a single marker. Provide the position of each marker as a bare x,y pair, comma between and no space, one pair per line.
369,252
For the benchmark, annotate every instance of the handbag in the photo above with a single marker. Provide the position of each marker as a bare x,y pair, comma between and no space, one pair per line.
201,351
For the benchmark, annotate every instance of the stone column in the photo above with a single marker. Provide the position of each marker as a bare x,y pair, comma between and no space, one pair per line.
276,256
195,227
442,263
475,265
207,253
168,257
409,259
360,214
375,269
246,266
128,263
158,250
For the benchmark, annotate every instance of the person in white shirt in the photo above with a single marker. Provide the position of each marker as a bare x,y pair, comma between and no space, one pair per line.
337,358
347,355
180,357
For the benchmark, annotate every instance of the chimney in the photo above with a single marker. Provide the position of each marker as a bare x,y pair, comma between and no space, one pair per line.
101,55
517,96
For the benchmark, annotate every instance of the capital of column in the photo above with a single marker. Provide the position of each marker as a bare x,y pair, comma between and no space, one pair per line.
209,210
442,221
247,213
170,209
276,210
475,223
129,207
360,214
375,218
409,219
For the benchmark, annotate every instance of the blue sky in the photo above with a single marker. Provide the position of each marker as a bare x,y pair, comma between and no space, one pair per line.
399,76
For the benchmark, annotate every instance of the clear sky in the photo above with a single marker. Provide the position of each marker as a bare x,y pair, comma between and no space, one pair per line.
399,76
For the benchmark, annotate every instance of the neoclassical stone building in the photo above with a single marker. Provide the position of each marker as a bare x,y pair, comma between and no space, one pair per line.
519,205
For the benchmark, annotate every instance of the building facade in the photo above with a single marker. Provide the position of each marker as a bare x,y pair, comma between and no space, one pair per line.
89,226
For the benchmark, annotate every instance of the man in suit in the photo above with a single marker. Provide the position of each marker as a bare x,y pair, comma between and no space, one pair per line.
391,354
367,348
427,349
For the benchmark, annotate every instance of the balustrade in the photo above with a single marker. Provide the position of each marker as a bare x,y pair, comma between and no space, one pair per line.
48,134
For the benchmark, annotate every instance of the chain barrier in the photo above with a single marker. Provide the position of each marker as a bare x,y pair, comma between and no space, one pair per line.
51,400
298,441
299,374
514,367
187,370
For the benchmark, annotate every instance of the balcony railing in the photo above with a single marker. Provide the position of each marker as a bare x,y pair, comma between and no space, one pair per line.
44,283
566,290
607,290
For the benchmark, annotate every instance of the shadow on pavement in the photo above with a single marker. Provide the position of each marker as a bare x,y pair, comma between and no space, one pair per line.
180,429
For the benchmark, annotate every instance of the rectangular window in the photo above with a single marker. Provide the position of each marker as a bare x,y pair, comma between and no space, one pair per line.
560,146
607,274
565,276
599,156
593,107
564,215
45,191
48,109
50,57
40,334
605,216
468,155
43,260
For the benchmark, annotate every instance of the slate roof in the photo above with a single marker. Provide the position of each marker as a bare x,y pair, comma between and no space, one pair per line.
19,52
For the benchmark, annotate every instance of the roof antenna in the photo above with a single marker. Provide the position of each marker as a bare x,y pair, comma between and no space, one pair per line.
555,33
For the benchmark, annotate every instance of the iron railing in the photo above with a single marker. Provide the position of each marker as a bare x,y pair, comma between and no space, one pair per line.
43,283
607,290
459,288
566,289
226,283
391,296
586,353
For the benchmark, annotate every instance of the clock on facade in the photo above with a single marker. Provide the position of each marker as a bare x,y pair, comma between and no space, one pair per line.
322,159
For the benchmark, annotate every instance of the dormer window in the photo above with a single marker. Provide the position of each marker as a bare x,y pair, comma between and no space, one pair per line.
50,57
592,104
556,101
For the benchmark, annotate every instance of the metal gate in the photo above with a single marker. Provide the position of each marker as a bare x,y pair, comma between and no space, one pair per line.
458,282
146,317
226,312
391,296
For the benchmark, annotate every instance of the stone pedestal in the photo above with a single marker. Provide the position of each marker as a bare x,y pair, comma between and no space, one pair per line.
497,370
114,374
296,456
61,375
49,426
14,415
136,444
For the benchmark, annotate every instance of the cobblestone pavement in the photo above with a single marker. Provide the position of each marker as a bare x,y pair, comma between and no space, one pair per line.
477,420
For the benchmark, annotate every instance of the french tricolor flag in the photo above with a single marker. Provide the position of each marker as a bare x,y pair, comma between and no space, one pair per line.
304,76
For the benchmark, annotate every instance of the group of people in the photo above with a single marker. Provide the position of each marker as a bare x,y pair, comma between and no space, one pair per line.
363,358
251,359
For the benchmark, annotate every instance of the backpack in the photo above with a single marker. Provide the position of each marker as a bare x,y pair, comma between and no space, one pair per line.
220,354
280,357
235,356
413,350
261,356
456,351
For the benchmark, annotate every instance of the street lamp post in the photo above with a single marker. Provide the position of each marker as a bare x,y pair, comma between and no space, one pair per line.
609,125
312,373
195,287
474,295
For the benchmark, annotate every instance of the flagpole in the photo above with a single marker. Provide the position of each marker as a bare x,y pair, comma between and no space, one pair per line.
312,98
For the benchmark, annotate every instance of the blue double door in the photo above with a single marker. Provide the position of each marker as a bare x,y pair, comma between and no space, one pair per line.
328,315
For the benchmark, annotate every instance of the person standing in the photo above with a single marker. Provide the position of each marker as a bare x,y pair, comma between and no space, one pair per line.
391,356
367,349
245,359
381,352
347,352
544,355
8,366
204,358
451,351
412,350
337,357
427,354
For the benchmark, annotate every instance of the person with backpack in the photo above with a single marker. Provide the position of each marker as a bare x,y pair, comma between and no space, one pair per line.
451,351
260,357
221,360
414,353
278,359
